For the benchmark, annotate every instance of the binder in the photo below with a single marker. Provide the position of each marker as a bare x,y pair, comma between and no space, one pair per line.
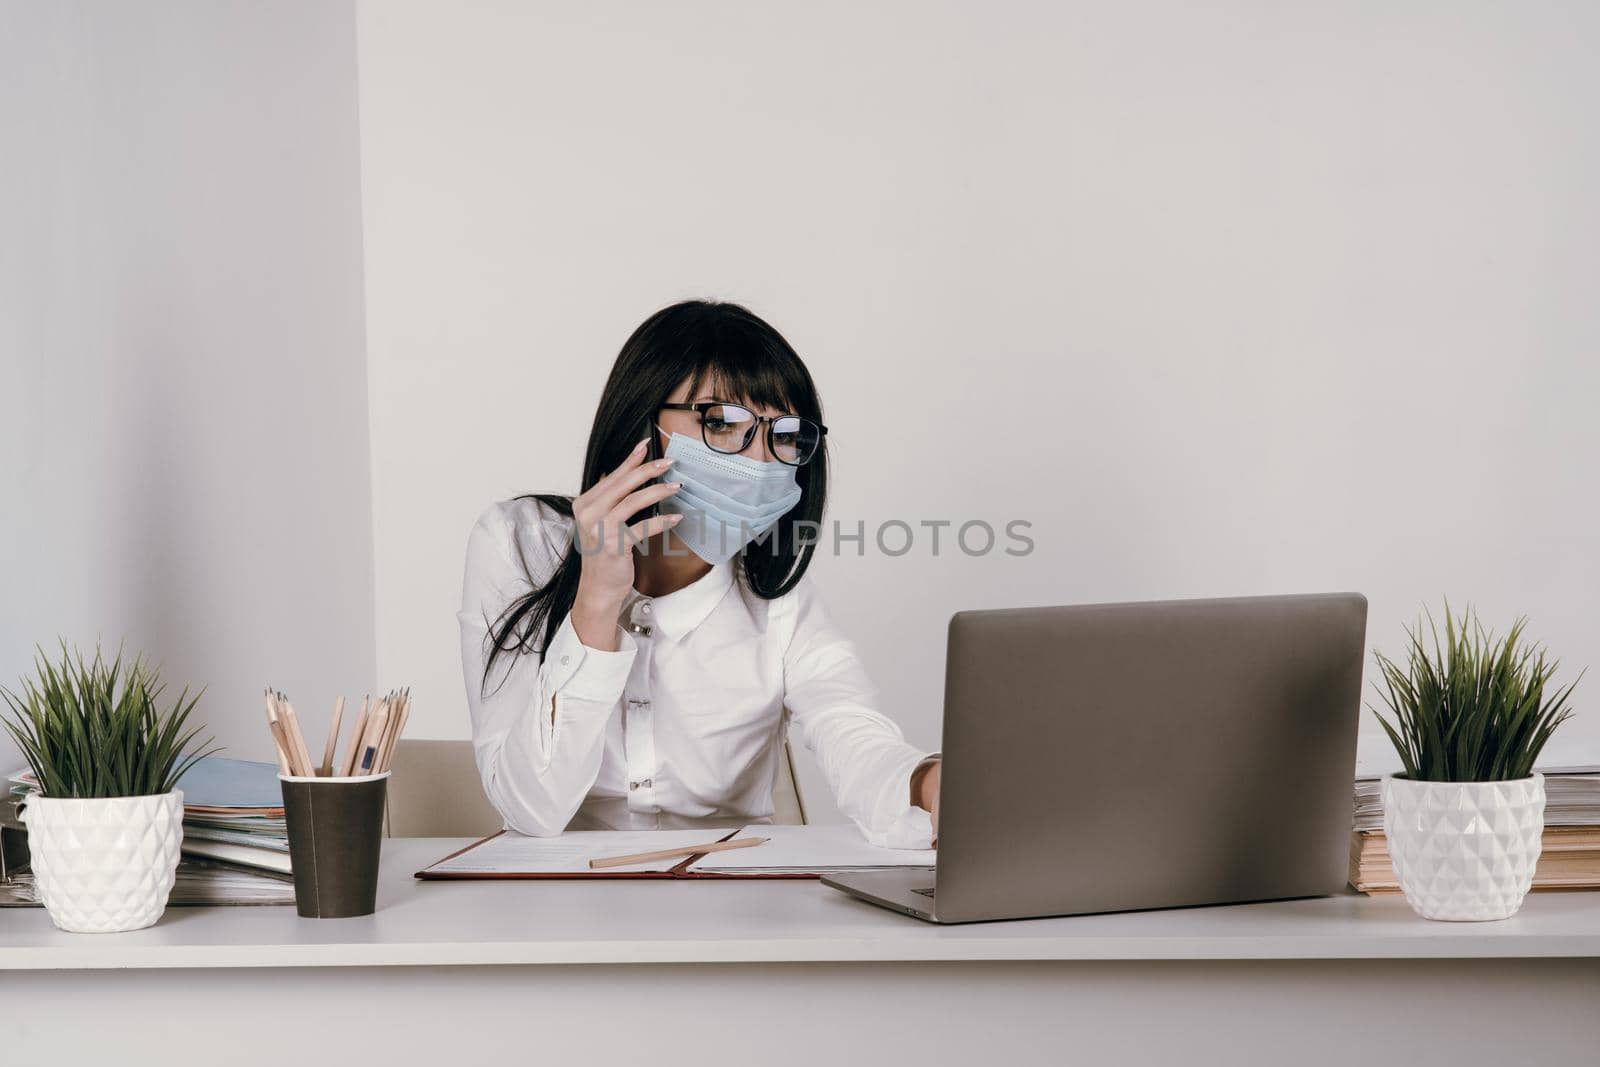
680,869
784,852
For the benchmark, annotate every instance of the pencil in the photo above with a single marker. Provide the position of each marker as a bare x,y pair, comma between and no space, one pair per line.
366,764
281,739
380,744
672,853
333,738
277,739
300,756
291,725
275,706
399,724
353,752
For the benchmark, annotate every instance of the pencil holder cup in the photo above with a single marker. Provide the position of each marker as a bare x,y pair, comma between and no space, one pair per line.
335,839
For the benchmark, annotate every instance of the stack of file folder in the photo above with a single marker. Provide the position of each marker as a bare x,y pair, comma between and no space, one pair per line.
1571,848
233,813
198,882
233,829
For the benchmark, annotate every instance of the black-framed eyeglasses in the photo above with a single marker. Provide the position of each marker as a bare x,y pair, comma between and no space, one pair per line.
729,428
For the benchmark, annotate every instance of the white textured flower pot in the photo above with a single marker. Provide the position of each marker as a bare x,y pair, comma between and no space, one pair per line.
105,864
1464,851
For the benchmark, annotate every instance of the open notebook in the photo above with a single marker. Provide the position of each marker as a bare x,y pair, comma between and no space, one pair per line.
789,852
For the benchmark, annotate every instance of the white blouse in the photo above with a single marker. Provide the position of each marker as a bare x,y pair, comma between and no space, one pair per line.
683,725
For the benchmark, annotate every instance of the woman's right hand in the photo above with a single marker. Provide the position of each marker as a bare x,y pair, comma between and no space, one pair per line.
606,539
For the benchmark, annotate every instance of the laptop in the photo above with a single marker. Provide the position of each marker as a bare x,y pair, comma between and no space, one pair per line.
1115,757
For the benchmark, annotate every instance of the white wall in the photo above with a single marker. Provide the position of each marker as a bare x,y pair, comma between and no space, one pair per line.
184,438
1225,298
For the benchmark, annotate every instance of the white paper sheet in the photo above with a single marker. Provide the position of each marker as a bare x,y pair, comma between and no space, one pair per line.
810,850
570,853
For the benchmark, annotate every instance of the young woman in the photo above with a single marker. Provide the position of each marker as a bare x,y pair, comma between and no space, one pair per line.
635,656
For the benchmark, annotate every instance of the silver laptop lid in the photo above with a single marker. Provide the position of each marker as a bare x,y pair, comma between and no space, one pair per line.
1119,756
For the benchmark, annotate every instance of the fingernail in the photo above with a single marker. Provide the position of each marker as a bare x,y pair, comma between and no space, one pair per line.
641,444
674,519
675,485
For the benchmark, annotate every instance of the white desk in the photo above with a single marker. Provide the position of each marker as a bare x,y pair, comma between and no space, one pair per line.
787,972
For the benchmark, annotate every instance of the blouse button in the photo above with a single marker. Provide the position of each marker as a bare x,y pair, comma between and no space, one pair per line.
565,660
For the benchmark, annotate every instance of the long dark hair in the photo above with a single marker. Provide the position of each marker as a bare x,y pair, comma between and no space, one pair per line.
743,359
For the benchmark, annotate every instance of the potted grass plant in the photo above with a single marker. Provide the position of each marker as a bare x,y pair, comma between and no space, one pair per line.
1470,715
105,826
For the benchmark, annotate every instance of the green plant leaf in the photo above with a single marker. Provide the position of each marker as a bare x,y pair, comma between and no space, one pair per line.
88,728
1471,707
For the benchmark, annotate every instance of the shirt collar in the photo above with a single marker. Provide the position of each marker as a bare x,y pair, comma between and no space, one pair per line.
677,613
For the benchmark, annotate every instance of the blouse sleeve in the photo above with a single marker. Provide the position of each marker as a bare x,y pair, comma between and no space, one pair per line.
538,724
863,754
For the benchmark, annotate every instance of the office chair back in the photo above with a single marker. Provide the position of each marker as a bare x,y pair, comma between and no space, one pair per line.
435,791
787,807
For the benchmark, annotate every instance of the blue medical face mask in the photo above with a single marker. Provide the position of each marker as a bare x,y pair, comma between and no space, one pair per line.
726,501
